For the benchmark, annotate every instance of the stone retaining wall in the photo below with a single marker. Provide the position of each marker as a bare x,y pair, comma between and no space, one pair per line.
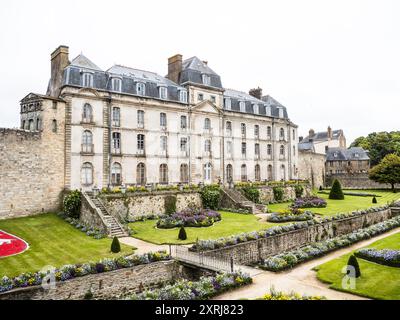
90,217
254,251
267,193
356,181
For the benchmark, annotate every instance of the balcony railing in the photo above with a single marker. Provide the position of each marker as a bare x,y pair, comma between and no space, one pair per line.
116,151
87,120
140,153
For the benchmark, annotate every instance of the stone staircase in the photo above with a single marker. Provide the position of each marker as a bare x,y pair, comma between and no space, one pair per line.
241,201
115,229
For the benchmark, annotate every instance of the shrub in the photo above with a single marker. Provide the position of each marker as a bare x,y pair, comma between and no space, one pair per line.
354,263
210,196
320,188
115,245
298,189
182,234
374,200
72,204
278,193
385,257
252,193
336,191
170,205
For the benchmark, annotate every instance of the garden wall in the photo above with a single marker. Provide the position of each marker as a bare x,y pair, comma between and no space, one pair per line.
356,181
89,216
106,285
254,251
131,204
267,193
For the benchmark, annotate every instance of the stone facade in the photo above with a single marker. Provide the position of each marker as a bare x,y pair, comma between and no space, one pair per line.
356,181
312,168
254,251
108,285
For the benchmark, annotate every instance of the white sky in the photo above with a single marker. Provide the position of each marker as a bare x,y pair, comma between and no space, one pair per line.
329,62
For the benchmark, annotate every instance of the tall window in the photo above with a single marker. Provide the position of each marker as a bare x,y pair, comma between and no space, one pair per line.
116,174
164,173
243,129
183,122
269,150
141,174
140,143
163,144
87,115
116,84
242,106
244,149
228,104
243,172
184,145
31,125
54,126
294,151
140,88
293,134
207,172
257,173
116,143
282,151
269,132
270,174
207,146
283,172
183,96
229,173
229,150
163,93
87,142
37,124
282,134
116,116
87,80
163,120
207,124
140,119
87,174
184,173
257,151
229,128
206,79
256,131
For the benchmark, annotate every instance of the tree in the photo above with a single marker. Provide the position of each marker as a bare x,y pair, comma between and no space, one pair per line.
387,171
115,245
336,191
379,145
354,263
182,234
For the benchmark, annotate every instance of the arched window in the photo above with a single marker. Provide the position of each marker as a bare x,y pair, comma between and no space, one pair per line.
87,115
257,173
207,173
283,172
184,173
116,174
87,174
140,88
270,175
54,126
141,174
207,145
243,172
87,142
31,125
282,134
282,150
140,144
229,173
207,124
116,116
164,173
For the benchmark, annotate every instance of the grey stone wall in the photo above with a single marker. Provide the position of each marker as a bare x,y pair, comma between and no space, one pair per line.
106,285
90,217
254,251
356,181
267,193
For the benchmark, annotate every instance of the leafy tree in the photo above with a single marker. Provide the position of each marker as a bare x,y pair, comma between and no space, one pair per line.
72,204
379,144
336,191
354,263
387,171
115,246
210,196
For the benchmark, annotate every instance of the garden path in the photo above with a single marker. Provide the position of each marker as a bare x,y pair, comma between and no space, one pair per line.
301,279
143,246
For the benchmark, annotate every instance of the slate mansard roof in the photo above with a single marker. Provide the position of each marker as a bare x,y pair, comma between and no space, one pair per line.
340,154
192,72
323,136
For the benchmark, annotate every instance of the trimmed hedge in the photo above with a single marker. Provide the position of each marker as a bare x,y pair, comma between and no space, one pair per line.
385,257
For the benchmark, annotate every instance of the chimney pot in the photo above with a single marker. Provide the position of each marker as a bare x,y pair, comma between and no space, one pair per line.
59,61
311,133
174,67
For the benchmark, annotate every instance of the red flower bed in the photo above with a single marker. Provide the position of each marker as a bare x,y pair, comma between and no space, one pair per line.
11,245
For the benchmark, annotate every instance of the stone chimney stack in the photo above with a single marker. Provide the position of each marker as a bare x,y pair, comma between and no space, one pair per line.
311,133
59,61
330,133
174,68
256,93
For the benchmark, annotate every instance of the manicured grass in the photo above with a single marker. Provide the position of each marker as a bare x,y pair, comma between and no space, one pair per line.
376,281
52,242
232,223
350,203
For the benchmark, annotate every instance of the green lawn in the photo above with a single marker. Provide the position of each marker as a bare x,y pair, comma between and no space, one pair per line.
350,203
232,223
376,281
52,242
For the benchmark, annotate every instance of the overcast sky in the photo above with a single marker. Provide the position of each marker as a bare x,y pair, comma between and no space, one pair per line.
331,63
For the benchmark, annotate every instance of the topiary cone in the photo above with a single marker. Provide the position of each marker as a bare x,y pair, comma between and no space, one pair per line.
182,234
354,263
374,200
115,246
336,191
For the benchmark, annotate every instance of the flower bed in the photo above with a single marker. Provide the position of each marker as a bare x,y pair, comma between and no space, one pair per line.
189,218
290,216
355,194
79,270
292,258
204,245
309,202
205,288
237,210
144,217
277,295
386,257
11,245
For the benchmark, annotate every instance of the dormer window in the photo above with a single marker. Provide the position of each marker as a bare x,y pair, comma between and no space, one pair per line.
87,80
206,79
268,111
116,84
256,108
281,115
163,93
140,88
356,155
183,96
228,104
242,106
335,155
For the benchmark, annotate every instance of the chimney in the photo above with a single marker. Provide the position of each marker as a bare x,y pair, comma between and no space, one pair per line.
174,68
330,134
205,62
256,93
59,61
311,133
